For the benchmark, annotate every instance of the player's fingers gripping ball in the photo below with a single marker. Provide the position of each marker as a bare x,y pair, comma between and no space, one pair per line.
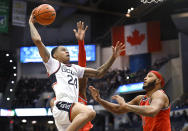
44,14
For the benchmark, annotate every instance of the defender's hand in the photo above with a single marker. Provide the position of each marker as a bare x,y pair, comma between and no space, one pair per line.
80,32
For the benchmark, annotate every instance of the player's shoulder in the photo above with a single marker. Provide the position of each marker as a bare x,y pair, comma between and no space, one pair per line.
159,94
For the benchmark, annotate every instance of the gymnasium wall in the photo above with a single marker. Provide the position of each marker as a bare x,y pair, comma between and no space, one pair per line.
4,43
169,48
172,72
177,78
184,55
12,39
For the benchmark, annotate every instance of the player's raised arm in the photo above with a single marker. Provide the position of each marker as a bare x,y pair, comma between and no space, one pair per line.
80,35
37,40
89,72
81,30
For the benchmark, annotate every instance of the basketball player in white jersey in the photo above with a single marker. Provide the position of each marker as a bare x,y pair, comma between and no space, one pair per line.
67,112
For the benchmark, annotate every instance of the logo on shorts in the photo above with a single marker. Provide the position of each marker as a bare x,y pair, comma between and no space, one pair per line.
63,106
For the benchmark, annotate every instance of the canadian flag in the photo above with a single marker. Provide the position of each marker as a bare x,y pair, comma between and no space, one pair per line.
139,38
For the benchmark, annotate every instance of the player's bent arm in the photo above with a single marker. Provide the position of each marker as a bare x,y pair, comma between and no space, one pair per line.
98,73
116,108
111,107
37,41
134,101
157,103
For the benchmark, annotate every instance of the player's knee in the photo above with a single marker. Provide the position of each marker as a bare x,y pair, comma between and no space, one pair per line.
91,114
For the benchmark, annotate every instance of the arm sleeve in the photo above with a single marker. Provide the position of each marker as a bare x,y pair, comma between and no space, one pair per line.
52,65
81,54
80,71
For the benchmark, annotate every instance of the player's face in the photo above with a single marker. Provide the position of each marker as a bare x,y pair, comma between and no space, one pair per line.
149,81
63,54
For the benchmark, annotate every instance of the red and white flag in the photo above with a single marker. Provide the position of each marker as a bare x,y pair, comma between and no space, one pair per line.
139,38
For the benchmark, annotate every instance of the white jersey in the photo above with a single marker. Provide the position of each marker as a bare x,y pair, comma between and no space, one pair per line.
65,79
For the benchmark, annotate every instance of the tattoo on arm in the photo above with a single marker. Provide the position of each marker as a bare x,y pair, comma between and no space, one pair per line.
103,69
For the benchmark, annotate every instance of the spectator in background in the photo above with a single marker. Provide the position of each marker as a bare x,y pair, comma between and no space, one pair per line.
185,117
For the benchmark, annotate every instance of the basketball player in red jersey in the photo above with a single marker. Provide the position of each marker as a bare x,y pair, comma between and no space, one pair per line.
154,107
80,34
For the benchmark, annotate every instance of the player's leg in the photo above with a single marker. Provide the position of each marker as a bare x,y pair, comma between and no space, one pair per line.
80,115
83,100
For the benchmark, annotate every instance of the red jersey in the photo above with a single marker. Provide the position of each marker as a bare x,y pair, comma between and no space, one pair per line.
89,125
82,100
82,62
161,122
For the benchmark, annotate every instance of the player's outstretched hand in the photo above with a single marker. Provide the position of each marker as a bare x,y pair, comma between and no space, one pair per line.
119,99
81,30
95,93
118,48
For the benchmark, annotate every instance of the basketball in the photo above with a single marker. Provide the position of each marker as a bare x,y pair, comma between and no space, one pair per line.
44,14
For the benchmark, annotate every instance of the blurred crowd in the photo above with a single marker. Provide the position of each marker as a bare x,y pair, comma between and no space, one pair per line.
180,102
28,92
179,120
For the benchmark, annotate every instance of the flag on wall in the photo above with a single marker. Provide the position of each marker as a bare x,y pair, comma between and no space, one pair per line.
4,15
118,35
138,38
19,11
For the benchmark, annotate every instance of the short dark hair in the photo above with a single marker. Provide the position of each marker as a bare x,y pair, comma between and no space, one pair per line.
53,51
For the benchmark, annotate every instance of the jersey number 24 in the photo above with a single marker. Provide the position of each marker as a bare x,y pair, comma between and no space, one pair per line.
72,81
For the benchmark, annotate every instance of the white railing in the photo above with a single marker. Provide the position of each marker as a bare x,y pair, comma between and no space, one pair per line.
151,1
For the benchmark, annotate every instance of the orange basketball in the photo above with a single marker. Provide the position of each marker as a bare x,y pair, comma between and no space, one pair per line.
44,14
